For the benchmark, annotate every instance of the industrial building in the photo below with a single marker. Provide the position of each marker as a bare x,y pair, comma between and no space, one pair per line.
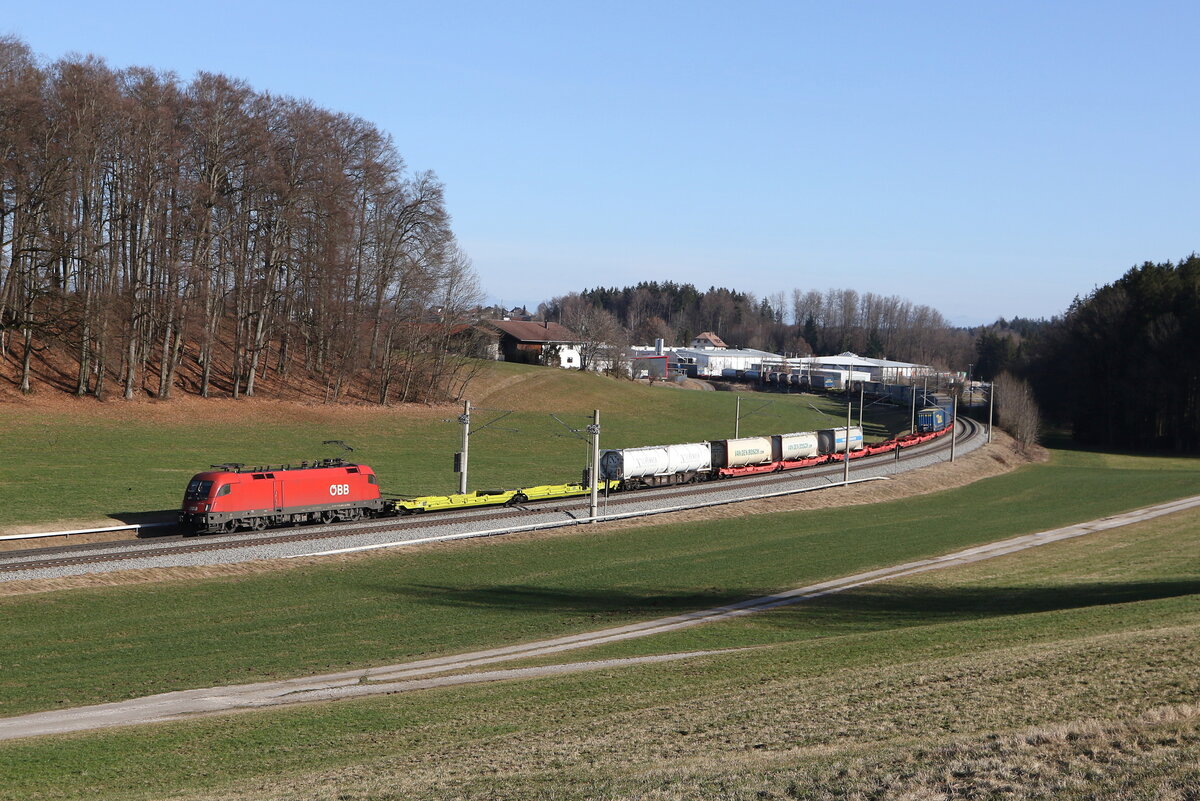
712,362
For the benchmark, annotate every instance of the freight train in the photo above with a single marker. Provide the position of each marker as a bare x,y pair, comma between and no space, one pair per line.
233,497
662,465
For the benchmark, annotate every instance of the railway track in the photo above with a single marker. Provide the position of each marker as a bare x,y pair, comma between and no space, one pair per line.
15,563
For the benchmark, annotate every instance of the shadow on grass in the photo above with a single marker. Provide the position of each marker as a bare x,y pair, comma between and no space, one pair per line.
866,607
1061,440
521,598
145,518
884,605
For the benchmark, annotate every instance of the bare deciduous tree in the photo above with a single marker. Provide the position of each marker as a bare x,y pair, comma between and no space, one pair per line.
146,225
1017,410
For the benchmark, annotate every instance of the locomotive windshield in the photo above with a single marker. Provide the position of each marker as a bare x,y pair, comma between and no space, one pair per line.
197,490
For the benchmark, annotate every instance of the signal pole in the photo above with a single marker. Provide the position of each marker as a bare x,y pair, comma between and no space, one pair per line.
465,419
594,474
954,428
991,406
846,455
737,417
913,426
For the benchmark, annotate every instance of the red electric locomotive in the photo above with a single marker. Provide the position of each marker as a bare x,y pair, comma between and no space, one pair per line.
231,496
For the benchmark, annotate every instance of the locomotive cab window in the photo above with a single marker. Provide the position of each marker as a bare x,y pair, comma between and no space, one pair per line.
197,490
372,480
224,490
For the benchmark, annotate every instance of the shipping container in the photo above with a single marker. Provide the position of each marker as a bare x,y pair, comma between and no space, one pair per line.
801,445
933,418
833,440
741,452
655,462
833,380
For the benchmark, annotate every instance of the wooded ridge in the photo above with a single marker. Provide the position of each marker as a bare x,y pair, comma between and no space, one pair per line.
148,225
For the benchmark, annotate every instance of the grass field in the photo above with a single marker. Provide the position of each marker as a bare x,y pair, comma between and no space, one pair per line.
83,460
1055,672
88,646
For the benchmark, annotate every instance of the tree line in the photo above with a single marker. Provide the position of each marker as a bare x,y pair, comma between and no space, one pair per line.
799,324
1121,367
199,236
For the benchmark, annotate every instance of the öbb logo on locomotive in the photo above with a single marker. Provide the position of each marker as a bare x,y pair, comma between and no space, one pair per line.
233,497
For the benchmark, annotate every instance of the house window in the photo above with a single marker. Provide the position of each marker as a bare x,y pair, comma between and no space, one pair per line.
570,360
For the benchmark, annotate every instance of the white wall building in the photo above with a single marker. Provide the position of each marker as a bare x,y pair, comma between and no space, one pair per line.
709,362
712,362
884,370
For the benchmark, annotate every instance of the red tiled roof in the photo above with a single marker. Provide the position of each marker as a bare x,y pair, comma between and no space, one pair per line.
534,331
713,338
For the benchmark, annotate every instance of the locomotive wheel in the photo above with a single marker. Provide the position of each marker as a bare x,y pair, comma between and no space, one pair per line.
258,524
327,516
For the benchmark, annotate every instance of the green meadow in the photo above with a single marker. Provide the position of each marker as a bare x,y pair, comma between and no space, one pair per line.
891,686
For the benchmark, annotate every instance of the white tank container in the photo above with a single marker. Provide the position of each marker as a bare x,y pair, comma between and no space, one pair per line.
657,460
801,445
833,440
632,462
691,458
747,451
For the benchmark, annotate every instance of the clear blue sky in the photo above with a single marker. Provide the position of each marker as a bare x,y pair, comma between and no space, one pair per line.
986,159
